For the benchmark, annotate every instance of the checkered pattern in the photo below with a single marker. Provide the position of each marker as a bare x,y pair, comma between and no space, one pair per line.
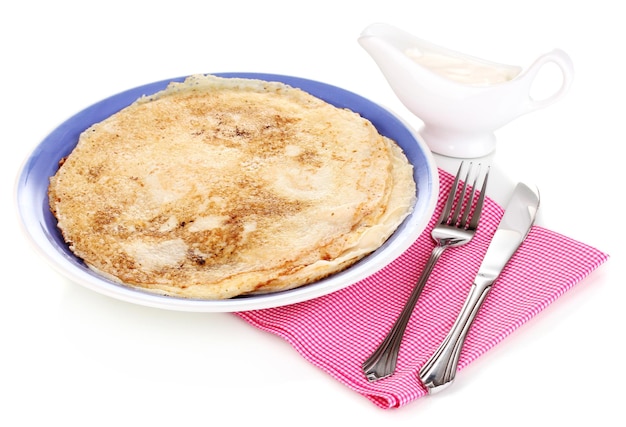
337,332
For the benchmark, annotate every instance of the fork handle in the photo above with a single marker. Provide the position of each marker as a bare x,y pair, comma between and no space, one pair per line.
440,370
382,362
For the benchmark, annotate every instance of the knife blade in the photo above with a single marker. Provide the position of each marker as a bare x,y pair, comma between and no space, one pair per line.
440,370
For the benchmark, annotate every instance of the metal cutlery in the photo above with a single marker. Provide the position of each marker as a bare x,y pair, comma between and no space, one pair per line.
440,370
457,226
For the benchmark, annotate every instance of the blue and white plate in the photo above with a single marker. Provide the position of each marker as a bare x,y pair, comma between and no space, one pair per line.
40,225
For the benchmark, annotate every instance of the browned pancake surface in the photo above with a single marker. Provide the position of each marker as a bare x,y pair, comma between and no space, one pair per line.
220,187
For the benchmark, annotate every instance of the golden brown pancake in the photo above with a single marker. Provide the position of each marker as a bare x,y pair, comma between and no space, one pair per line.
218,187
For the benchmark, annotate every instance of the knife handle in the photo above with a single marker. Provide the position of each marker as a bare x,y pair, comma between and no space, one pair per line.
440,370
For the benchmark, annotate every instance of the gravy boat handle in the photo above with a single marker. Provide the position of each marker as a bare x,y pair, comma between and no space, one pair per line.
564,62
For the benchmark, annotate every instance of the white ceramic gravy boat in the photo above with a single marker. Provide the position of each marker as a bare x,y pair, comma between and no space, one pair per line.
460,99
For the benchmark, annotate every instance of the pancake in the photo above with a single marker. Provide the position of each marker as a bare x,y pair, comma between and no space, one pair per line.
220,187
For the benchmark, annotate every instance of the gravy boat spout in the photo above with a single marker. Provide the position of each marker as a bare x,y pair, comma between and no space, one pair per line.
460,99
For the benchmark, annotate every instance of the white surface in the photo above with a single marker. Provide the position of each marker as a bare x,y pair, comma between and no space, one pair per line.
74,357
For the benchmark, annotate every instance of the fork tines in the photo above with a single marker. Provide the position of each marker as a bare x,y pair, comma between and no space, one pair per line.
464,198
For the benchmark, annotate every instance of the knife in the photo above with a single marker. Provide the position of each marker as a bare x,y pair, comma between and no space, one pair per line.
440,370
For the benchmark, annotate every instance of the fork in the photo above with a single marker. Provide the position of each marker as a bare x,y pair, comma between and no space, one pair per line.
456,227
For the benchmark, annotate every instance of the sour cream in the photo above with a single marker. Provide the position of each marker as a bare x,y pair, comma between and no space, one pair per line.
472,72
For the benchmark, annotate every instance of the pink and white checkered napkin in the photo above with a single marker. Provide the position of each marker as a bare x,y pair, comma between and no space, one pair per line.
337,332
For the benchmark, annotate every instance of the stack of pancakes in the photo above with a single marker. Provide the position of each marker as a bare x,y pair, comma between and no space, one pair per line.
218,187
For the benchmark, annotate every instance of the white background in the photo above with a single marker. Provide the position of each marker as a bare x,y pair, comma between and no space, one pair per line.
73,357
